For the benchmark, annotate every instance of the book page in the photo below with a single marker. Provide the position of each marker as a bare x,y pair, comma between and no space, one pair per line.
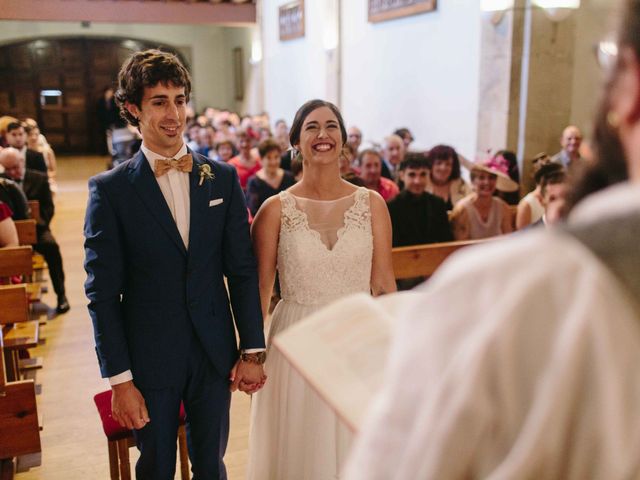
342,349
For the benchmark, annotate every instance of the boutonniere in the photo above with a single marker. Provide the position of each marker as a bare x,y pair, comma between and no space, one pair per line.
205,172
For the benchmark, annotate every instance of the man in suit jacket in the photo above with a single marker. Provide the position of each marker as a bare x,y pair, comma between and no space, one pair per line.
163,230
35,186
16,137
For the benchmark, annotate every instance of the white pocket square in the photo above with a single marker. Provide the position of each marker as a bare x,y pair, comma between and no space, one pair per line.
216,201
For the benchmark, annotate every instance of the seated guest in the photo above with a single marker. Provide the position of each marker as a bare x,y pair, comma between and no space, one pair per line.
418,217
394,152
8,233
12,195
270,179
481,214
370,162
225,150
5,120
16,137
37,143
512,198
354,138
346,160
444,175
530,208
245,162
569,157
36,187
281,135
191,135
553,189
405,134
204,141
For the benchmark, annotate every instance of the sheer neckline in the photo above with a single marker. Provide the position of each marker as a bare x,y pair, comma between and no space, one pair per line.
324,201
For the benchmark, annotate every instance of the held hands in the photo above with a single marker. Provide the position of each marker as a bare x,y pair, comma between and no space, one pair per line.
128,407
247,377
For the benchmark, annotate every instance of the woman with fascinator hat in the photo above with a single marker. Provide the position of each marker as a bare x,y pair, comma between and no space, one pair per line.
481,214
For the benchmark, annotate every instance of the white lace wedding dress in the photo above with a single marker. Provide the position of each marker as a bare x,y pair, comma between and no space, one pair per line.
324,252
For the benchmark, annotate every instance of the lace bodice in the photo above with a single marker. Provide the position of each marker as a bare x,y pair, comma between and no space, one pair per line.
319,265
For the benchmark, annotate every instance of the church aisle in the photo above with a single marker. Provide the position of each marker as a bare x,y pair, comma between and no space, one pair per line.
73,444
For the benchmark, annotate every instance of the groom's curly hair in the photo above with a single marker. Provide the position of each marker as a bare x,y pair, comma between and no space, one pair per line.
147,69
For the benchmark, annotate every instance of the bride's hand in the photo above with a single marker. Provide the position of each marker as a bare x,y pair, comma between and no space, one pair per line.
247,377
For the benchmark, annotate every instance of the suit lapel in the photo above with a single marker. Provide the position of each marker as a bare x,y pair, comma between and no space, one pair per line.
198,204
145,184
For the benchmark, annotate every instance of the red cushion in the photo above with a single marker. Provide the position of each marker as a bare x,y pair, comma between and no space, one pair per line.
112,429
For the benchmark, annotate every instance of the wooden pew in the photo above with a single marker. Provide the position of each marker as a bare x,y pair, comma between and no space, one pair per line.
14,304
18,331
26,231
423,260
19,427
16,261
34,206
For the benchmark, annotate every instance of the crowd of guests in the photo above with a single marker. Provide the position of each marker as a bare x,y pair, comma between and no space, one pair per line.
28,172
429,200
428,197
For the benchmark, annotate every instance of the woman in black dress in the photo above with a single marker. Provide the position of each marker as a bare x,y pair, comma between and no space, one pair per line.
270,179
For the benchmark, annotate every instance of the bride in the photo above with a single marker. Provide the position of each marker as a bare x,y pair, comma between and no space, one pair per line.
327,238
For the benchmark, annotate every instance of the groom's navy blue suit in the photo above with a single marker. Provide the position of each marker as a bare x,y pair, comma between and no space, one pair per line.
162,311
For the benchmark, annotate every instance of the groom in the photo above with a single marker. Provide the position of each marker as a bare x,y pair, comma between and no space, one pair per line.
162,231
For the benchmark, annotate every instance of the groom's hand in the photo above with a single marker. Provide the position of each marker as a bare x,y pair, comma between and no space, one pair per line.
128,407
247,377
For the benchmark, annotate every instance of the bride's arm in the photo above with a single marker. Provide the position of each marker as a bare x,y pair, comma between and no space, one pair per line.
265,231
382,278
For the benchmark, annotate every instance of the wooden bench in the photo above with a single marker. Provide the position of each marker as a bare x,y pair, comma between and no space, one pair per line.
423,260
16,261
14,304
34,206
19,332
26,231
19,425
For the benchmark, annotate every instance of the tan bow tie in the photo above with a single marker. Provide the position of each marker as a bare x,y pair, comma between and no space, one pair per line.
182,164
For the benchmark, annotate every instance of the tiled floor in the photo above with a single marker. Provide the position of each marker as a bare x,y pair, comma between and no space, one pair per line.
73,445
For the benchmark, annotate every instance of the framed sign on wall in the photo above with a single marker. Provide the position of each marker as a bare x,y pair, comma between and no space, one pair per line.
291,19
381,10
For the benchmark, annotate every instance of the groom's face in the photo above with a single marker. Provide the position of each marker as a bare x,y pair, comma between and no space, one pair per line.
162,115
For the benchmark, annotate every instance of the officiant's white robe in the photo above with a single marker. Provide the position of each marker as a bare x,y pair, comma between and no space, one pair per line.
520,360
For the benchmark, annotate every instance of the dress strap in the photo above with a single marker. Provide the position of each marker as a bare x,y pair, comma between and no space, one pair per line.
359,214
291,217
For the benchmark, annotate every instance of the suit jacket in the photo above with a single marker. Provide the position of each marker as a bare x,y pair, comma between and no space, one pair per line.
35,185
35,161
417,220
147,294
12,195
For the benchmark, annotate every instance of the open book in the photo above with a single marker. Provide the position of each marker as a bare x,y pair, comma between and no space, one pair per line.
341,350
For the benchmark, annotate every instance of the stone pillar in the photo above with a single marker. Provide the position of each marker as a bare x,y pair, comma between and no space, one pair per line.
526,75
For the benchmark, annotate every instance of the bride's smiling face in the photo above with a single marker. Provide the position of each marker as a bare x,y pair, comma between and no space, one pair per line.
320,137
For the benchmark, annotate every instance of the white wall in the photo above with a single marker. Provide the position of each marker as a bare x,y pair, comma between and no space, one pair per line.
420,72
207,47
294,70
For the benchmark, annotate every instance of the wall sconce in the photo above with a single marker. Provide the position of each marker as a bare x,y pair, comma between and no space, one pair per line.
256,51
